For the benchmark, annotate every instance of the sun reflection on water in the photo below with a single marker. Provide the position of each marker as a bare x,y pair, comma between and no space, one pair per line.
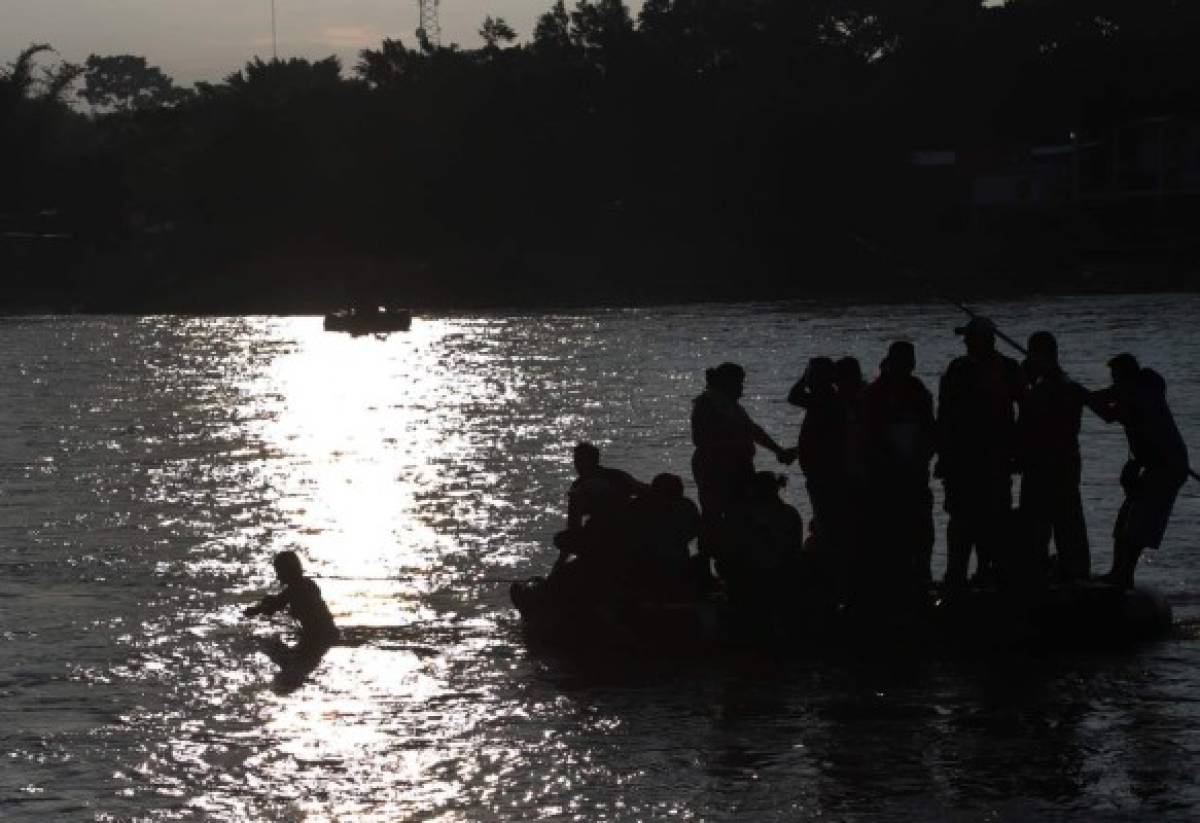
357,418
368,458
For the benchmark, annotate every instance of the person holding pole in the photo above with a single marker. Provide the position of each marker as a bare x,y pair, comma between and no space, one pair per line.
976,427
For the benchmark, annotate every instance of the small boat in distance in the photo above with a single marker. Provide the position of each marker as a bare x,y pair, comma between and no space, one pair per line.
368,320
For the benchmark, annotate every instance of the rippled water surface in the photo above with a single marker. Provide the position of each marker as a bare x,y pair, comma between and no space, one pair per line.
149,468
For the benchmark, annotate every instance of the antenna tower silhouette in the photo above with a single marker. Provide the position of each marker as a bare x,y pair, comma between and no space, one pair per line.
430,30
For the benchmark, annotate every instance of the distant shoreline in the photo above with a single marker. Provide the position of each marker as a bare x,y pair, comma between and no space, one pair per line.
870,288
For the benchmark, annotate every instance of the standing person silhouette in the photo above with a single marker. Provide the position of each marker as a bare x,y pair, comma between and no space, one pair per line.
976,420
822,450
900,440
1050,464
725,438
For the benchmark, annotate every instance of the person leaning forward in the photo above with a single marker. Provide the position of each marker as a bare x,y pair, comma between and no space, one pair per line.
977,399
1157,466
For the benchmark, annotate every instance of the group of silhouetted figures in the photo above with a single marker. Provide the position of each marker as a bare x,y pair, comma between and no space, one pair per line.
866,451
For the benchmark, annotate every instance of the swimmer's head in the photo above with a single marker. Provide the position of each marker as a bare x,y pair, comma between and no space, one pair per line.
287,567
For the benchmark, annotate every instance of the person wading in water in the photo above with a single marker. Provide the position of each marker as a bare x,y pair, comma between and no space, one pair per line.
302,598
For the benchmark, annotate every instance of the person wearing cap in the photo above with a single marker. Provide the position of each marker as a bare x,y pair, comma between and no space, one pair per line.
1157,466
900,439
1048,456
725,439
976,421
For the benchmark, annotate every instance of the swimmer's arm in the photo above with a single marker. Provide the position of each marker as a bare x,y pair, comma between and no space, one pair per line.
268,605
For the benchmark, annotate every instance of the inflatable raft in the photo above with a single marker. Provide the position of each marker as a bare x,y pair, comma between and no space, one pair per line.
1079,616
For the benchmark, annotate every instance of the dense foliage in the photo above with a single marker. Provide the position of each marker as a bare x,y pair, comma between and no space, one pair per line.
703,148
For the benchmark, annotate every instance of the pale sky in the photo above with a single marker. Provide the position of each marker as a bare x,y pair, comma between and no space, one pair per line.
207,39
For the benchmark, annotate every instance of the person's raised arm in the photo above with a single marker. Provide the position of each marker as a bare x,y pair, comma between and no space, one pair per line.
800,393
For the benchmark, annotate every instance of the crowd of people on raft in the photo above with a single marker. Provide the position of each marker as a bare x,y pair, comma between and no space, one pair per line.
867,451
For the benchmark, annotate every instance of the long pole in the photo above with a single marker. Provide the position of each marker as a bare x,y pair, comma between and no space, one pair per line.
999,333
274,40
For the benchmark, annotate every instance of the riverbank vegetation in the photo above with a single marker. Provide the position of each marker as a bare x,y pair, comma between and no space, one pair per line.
699,149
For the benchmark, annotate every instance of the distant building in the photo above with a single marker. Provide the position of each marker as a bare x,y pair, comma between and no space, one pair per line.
1155,157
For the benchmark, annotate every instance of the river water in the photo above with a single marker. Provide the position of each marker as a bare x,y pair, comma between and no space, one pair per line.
150,467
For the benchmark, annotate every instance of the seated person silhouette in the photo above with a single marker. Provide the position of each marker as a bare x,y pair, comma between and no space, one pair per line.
302,598
764,539
665,522
593,549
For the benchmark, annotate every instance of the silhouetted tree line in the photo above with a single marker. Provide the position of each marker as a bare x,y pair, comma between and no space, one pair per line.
705,148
